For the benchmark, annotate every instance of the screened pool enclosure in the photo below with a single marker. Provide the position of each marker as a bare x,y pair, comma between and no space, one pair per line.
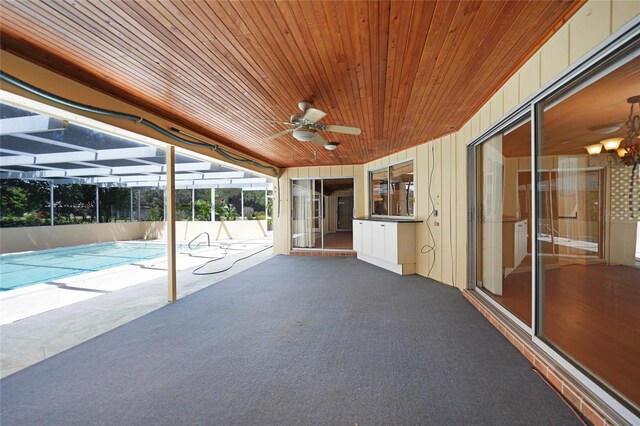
54,172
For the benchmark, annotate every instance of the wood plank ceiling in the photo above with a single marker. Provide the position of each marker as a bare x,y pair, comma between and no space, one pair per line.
405,72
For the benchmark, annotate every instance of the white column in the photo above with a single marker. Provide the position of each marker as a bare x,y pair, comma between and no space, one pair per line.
242,203
170,209
213,204
138,205
97,204
164,201
193,204
51,209
131,205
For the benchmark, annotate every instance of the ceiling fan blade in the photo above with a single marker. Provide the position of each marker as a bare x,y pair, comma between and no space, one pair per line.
277,135
313,115
271,121
319,140
342,129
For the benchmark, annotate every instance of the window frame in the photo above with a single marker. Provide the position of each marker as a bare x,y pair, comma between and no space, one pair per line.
388,169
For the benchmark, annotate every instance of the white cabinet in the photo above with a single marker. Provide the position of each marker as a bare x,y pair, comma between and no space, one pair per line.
362,236
390,245
357,235
378,240
520,250
514,244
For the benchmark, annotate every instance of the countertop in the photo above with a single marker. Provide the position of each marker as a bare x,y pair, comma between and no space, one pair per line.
388,219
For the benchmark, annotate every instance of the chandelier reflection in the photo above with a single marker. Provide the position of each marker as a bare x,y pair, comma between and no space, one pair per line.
623,151
630,148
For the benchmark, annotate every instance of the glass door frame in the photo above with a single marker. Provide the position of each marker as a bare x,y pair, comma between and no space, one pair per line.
620,48
474,215
321,210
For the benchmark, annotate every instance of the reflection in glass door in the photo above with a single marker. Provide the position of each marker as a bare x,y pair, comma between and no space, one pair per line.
304,208
503,234
322,214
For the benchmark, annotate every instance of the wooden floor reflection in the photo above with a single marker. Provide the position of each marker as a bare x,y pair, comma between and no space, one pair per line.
592,313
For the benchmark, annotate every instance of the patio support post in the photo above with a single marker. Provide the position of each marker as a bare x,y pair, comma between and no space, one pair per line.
193,204
131,205
213,204
138,205
170,208
97,204
242,203
266,210
51,208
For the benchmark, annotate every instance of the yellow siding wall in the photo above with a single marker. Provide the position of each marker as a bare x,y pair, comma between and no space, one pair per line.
440,185
445,158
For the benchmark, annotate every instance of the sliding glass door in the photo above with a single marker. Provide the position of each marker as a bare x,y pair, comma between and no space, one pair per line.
306,208
504,196
588,211
322,213
573,225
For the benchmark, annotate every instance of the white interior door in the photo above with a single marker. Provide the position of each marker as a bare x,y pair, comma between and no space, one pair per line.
492,210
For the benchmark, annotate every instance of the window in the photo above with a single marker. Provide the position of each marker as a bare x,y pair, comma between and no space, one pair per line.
392,190
587,239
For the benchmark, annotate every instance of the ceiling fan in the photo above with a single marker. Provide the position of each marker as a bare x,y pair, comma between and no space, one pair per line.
305,127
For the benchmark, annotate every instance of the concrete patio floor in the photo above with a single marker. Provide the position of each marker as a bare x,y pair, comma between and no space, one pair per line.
43,320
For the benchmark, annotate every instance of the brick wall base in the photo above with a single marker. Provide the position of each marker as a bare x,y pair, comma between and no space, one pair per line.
581,398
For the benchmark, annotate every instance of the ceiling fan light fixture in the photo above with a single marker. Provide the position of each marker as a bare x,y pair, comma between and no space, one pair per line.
611,144
304,135
594,149
331,146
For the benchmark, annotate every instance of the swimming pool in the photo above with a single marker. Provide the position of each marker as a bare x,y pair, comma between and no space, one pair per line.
24,269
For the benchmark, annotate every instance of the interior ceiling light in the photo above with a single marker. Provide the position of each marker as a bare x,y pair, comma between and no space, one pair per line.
627,148
594,149
631,144
331,146
611,144
304,135
605,129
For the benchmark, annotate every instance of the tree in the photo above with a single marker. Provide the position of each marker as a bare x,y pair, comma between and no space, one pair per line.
152,201
113,200
20,197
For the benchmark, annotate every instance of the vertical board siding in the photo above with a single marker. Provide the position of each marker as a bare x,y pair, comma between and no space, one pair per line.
622,11
554,55
588,27
511,93
530,77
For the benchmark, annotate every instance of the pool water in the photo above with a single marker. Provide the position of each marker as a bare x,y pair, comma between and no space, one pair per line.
19,270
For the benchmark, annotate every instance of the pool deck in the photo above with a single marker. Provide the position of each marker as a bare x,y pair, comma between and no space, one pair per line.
42,320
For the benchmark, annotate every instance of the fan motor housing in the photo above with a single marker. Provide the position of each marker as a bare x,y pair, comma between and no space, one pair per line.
304,134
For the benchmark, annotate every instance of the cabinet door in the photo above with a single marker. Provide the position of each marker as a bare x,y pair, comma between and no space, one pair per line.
365,240
357,235
378,240
391,243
